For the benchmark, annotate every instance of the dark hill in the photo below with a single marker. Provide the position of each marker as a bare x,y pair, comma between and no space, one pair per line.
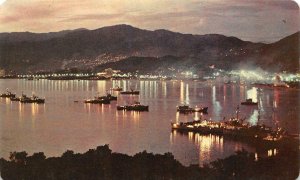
89,49
285,53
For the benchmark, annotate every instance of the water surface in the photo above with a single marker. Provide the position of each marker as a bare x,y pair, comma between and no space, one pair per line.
62,124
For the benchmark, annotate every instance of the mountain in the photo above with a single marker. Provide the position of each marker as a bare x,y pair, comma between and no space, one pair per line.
109,46
283,54
28,36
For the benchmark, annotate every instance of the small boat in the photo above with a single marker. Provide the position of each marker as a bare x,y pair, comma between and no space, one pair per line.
249,102
97,100
15,98
109,97
134,107
202,109
133,92
8,94
116,88
184,109
32,99
188,109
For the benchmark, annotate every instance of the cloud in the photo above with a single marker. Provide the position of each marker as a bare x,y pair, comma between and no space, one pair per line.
88,17
26,13
257,20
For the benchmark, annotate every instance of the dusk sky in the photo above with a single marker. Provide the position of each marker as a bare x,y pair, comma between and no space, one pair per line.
254,20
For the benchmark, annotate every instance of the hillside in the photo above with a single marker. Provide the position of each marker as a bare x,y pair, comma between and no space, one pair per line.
91,49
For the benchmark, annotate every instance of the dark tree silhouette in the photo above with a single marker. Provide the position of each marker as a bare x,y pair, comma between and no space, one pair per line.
101,163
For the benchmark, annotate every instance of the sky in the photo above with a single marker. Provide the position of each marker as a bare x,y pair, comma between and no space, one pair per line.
253,20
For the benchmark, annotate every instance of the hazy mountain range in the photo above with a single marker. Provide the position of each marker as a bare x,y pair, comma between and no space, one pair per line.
129,49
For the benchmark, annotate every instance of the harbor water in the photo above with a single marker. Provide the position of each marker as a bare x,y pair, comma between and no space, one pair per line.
62,124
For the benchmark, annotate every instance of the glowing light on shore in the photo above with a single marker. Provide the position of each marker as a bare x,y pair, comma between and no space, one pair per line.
2,1
250,75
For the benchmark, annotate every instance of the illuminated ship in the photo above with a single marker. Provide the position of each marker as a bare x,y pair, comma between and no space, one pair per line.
233,127
277,83
134,107
188,109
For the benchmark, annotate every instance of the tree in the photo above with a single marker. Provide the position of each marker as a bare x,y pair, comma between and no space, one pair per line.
18,157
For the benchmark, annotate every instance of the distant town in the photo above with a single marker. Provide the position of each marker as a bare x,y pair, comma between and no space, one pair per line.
214,74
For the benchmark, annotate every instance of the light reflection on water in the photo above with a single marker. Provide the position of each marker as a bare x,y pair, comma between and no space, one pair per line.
254,117
61,124
252,93
209,147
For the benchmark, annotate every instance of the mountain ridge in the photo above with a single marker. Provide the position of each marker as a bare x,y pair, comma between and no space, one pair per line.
89,49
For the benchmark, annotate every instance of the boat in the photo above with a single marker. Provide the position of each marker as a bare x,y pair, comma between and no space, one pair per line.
278,83
233,127
101,99
137,106
188,109
202,127
249,102
97,100
32,99
15,98
116,88
132,92
202,109
109,97
8,94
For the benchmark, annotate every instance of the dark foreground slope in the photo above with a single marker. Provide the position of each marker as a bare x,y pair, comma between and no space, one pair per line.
101,163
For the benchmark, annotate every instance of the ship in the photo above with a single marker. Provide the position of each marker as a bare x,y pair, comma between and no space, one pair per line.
98,100
188,109
101,99
249,102
278,83
132,92
109,97
233,127
32,99
116,88
137,106
14,98
7,94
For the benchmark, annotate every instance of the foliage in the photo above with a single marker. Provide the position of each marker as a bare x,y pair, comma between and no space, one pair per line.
101,163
